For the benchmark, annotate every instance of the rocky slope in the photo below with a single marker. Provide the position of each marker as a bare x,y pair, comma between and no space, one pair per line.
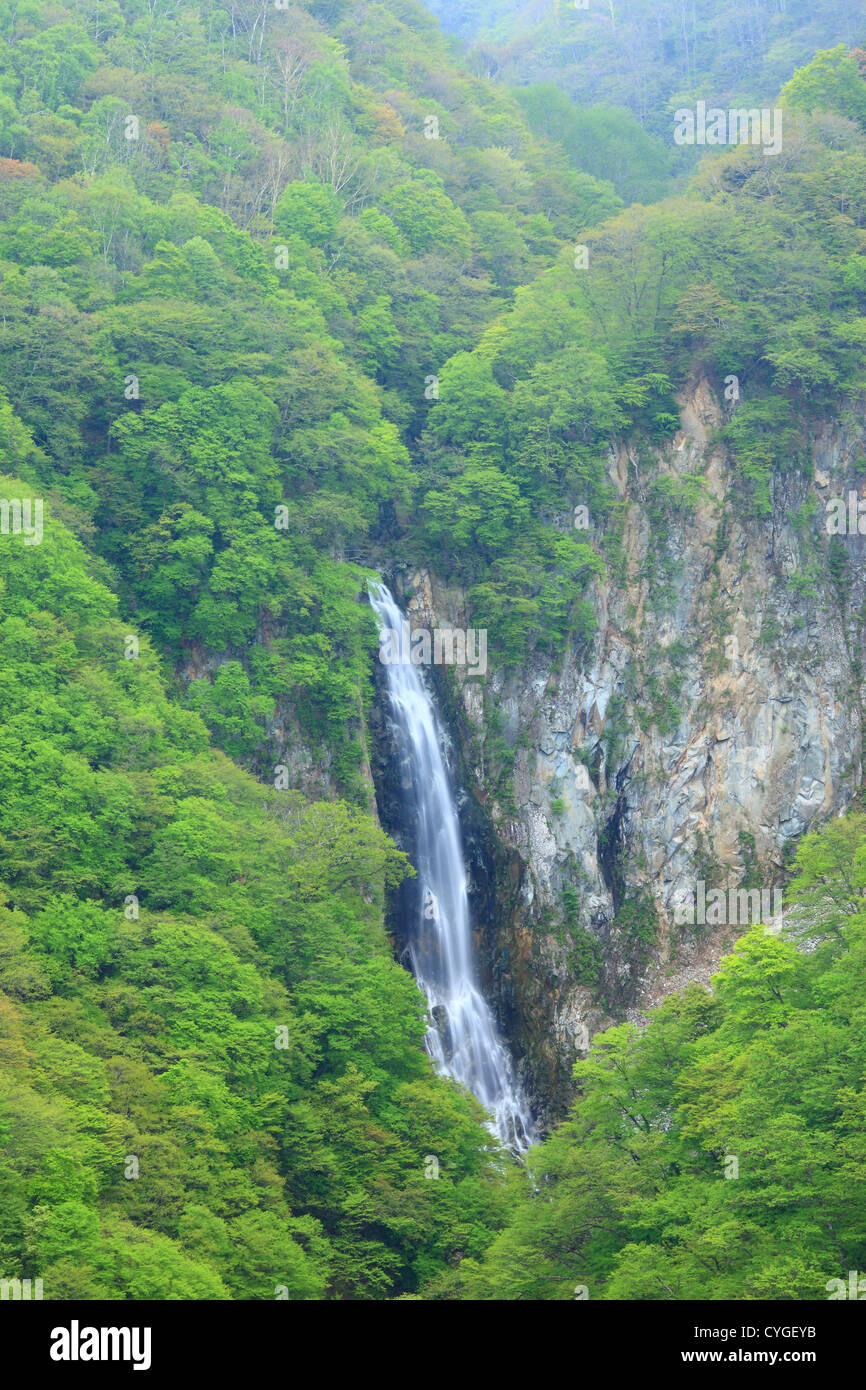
715,718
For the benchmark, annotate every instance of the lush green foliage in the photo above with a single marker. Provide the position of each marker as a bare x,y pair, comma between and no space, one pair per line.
652,55
754,278
607,142
719,1152
213,1076
285,291
231,258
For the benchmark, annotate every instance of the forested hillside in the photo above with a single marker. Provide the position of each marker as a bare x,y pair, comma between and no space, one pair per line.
607,75
229,259
757,273
296,295
650,55
230,274
213,1080
718,1153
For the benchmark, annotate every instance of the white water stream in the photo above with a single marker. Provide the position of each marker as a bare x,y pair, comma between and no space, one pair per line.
462,1038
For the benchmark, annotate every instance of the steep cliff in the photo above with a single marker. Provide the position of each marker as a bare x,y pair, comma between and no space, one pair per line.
714,718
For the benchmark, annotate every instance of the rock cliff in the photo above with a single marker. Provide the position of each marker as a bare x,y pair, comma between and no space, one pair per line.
713,719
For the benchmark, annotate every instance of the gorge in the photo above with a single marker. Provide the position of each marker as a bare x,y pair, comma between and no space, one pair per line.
326,975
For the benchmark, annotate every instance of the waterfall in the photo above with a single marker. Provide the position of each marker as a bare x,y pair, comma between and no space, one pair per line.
462,1038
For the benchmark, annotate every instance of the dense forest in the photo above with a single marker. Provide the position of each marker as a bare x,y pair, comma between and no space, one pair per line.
649,55
290,290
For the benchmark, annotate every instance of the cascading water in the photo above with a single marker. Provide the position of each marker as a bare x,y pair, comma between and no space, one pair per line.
461,1038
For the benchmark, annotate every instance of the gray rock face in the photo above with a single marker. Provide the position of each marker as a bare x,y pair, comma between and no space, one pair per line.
714,718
